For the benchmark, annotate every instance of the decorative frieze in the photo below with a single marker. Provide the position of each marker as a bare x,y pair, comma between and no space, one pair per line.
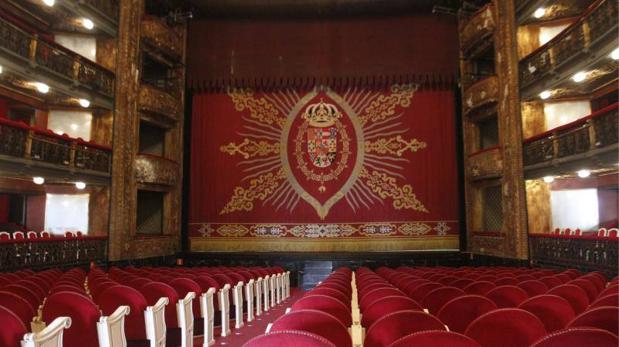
156,170
483,93
158,34
477,29
154,100
485,164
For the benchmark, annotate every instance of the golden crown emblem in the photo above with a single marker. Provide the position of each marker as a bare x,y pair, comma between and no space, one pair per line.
321,114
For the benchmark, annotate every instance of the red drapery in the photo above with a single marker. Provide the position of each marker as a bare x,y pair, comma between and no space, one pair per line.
394,166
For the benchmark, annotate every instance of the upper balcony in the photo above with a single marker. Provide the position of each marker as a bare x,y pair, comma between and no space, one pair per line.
481,97
585,45
476,31
591,140
158,105
155,169
29,58
486,163
553,10
161,41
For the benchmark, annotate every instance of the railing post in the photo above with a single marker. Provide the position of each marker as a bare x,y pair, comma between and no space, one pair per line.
33,49
592,137
28,145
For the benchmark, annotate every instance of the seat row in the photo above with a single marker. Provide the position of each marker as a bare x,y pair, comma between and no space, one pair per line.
20,235
601,232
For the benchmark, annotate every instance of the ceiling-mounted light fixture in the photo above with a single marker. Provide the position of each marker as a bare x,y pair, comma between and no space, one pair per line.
49,3
41,87
80,185
38,180
85,103
579,76
0,68
584,173
549,179
545,94
615,54
539,13
88,23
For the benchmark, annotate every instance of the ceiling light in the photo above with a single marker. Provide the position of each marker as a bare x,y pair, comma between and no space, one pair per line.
549,179
41,87
584,173
84,102
579,76
80,185
0,68
38,180
539,13
74,126
49,3
87,23
545,94
615,54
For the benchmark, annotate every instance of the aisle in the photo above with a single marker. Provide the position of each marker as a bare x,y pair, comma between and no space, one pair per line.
238,337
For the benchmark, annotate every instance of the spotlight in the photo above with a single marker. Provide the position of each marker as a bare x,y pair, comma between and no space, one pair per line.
0,68
84,102
49,3
38,180
549,179
615,54
74,126
584,173
80,185
579,76
545,94
87,23
41,87
539,13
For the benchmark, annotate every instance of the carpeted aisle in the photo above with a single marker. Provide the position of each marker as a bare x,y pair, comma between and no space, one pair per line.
238,337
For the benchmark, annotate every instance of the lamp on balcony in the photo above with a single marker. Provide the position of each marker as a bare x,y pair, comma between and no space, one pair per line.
579,76
545,94
539,13
0,68
41,87
85,103
49,3
615,54
88,23
38,180
584,173
549,179
80,185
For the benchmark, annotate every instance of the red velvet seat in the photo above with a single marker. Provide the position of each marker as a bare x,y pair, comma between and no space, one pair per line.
458,313
396,325
507,296
97,288
18,305
504,281
587,286
434,300
326,304
25,293
507,327
420,292
597,278
387,305
13,329
137,283
84,315
316,322
184,286
337,286
410,286
289,338
334,293
435,339
551,281
533,287
462,283
119,295
608,300
153,291
575,295
479,287
368,298
611,289
603,317
578,337
554,311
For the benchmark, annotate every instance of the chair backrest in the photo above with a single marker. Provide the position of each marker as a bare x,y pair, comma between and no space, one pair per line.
603,317
20,306
84,315
420,292
289,338
154,291
327,304
575,295
387,305
517,326
111,329
5,235
369,297
187,285
45,234
258,291
224,306
69,234
577,337
154,321
613,232
434,300
435,338
602,232
208,310
479,287
249,298
32,235
588,286
554,311
237,298
533,287
458,313
18,235
13,329
316,322
606,300
398,324
507,296
118,295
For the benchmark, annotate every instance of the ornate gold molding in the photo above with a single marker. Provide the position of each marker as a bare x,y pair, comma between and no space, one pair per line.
478,27
154,100
156,170
483,92
159,35
485,164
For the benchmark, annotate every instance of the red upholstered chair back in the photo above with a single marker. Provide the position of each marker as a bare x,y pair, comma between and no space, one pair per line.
606,300
13,329
575,295
375,294
507,296
578,337
205,282
119,295
421,291
35,286
387,305
316,322
603,317
236,277
503,281
153,291
25,293
587,286
335,285
138,283
184,286
289,338
84,315
533,287
461,283
18,305
326,304
458,313
479,287
334,293
395,325
100,287
434,300
434,339
223,280
554,311
551,281
506,327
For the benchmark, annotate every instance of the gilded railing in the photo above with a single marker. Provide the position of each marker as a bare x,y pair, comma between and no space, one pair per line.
485,163
594,131
155,169
22,141
155,100
55,58
159,35
482,92
599,21
477,28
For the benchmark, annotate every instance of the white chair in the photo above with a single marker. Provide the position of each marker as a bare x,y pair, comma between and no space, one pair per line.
208,311
111,329
18,235
154,317
224,307
184,313
259,297
45,234
32,235
237,296
51,336
249,297
602,232
265,292
612,232
272,285
5,235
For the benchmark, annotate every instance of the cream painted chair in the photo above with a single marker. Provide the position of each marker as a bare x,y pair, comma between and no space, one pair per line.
207,306
249,298
272,285
259,297
51,336
154,317
184,314
111,329
224,307
278,288
266,284
237,297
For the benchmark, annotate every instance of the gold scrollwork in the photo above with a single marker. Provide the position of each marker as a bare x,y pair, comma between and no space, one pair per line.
250,148
394,145
232,230
414,229
377,229
259,188
384,106
385,186
259,108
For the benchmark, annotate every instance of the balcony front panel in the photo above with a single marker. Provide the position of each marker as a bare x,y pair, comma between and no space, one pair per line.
482,93
156,170
155,100
477,29
485,164
158,34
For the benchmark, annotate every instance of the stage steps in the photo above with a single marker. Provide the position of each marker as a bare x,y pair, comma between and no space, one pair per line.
314,272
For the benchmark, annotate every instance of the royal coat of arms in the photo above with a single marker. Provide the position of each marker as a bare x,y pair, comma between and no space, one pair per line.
321,133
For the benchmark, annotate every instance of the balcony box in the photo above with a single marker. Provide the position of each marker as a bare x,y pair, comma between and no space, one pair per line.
483,93
156,33
486,163
477,29
155,100
154,169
